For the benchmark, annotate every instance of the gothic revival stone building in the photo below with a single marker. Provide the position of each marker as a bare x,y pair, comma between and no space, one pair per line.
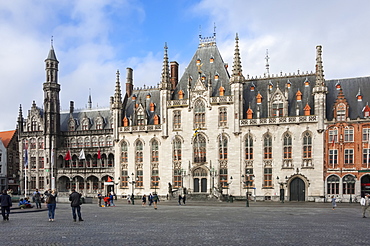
207,132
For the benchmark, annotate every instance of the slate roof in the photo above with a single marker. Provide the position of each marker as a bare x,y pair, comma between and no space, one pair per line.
205,53
79,115
297,82
141,98
351,87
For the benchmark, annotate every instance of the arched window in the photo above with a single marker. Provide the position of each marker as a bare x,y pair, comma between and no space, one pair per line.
199,114
154,151
87,142
277,106
85,124
177,149
349,184
34,124
94,142
177,119
287,146
333,185
41,143
199,148
267,147
222,116
109,141
222,147
139,152
33,143
74,143
248,147
101,142
307,145
124,153
80,142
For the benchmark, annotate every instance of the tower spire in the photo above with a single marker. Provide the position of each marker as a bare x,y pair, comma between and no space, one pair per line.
165,83
89,103
267,62
237,74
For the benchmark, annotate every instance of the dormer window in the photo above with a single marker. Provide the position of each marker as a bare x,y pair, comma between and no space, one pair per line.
299,96
222,91
217,77
288,85
211,60
148,96
249,113
306,83
341,112
140,118
85,125
366,111
125,121
198,62
307,109
152,107
156,119
181,94
259,98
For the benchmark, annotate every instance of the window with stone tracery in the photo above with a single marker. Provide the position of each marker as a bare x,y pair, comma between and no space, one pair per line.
341,112
277,106
287,146
199,114
248,147
199,148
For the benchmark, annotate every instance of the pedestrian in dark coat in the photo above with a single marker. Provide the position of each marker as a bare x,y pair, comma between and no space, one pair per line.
52,204
180,198
75,199
183,199
6,203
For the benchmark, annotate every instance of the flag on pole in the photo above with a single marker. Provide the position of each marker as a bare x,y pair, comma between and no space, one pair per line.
99,155
25,157
82,155
109,179
68,156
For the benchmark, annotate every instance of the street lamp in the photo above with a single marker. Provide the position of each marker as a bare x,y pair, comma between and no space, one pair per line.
350,185
248,181
133,182
282,191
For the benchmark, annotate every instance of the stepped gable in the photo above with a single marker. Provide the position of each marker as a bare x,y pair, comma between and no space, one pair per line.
350,87
261,86
141,98
79,115
211,63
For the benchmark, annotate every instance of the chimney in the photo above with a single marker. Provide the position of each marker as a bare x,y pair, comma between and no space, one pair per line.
174,74
71,107
129,85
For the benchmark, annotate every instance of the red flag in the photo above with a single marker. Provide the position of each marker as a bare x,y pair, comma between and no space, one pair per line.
109,179
99,155
68,156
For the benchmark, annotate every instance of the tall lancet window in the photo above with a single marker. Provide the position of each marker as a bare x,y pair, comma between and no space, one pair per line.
199,148
199,114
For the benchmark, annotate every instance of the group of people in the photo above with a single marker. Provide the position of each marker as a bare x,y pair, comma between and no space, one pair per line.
152,199
108,200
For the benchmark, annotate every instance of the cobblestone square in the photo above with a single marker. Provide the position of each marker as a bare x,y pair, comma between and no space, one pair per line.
197,223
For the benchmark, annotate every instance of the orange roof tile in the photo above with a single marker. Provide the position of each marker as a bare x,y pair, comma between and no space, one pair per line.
6,137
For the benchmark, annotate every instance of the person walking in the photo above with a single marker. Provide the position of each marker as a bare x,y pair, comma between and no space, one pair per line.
37,198
5,203
128,199
155,200
364,204
183,199
75,199
111,198
150,199
180,198
52,204
143,199
333,202
100,197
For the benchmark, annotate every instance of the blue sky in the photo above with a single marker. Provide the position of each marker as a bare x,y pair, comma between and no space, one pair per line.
93,38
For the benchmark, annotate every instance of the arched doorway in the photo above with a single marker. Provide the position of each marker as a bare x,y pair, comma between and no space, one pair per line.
200,180
365,184
297,190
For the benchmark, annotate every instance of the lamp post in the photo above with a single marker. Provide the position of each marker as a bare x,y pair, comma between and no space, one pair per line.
350,182
133,182
248,181
155,183
282,191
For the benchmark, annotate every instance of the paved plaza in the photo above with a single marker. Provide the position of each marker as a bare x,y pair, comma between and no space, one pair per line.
197,223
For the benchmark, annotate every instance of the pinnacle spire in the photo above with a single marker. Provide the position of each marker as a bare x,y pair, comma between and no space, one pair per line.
165,83
319,67
237,73
51,55
118,94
